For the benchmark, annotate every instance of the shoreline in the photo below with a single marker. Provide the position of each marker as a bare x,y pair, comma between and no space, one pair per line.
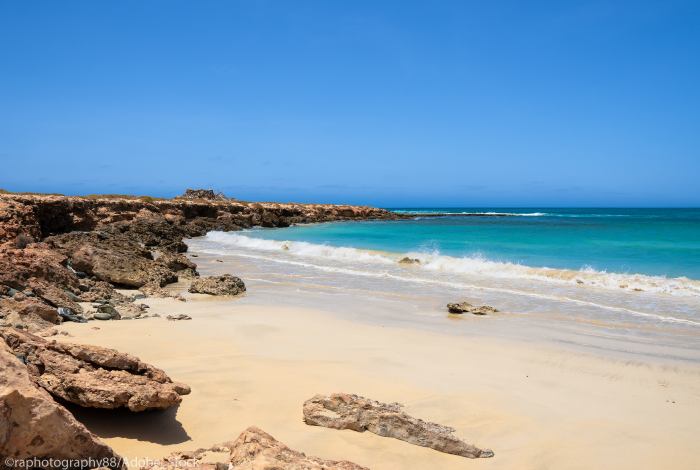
253,362
536,391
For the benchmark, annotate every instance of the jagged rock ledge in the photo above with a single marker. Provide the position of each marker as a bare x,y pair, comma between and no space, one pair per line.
40,216
56,251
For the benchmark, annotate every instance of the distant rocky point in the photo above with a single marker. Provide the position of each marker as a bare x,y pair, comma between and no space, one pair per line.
206,194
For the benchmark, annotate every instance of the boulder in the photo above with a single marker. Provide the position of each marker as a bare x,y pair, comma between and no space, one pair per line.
68,315
157,292
32,424
18,266
176,262
31,307
407,260
345,411
53,294
218,285
114,258
93,376
465,307
181,316
253,450
109,310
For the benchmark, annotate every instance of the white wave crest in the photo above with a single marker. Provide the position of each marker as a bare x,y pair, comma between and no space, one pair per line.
474,266
300,248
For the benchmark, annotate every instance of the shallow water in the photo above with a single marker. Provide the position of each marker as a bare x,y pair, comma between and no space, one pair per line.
363,258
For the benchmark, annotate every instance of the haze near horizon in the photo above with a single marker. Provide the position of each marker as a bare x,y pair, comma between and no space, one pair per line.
391,104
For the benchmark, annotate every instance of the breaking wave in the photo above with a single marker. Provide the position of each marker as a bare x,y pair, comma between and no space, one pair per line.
474,266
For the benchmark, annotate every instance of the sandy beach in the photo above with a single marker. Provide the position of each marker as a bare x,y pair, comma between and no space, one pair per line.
254,361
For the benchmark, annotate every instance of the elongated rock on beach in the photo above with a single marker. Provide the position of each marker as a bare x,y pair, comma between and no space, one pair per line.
465,307
93,376
218,285
33,425
345,411
253,450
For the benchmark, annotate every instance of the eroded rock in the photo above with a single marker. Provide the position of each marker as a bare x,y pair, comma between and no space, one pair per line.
218,285
253,450
345,411
32,424
180,316
465,307
93,376
158,292
114,258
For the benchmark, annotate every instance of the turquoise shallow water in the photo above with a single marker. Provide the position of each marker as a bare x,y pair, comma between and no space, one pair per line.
651,242
618,272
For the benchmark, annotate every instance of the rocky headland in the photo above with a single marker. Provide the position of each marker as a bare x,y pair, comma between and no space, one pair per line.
58,253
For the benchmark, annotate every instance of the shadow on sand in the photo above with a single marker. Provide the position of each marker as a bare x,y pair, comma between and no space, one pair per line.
157,426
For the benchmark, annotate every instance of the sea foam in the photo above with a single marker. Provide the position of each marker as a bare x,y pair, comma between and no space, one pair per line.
468,266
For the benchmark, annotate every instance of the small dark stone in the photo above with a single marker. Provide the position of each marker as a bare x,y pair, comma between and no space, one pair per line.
73,297
68,315
107,309
22,358
12,292
29,293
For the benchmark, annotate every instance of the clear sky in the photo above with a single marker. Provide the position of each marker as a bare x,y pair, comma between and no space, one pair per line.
388,103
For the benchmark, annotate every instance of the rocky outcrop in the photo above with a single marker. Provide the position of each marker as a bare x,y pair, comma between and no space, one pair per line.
114,258
344,411
179,263
40,216
206,194
30,307
93,376
39,270
32,424
253,450
218,285
65,249
465,307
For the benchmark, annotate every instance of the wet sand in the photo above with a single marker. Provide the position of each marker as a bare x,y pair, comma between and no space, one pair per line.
536,404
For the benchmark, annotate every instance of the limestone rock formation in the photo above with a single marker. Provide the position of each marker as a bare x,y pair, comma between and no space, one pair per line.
114,258
40,271
218,285
253,450
179,263
465,307
93,376
345,411
32,424
31,307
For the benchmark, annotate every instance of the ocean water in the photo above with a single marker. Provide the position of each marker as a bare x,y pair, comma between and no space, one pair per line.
629,272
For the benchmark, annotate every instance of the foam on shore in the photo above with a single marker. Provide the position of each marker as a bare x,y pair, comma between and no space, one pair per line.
476,265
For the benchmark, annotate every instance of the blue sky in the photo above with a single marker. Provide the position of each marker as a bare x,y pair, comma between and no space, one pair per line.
390,103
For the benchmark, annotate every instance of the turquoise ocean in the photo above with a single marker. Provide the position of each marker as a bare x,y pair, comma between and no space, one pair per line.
634,272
